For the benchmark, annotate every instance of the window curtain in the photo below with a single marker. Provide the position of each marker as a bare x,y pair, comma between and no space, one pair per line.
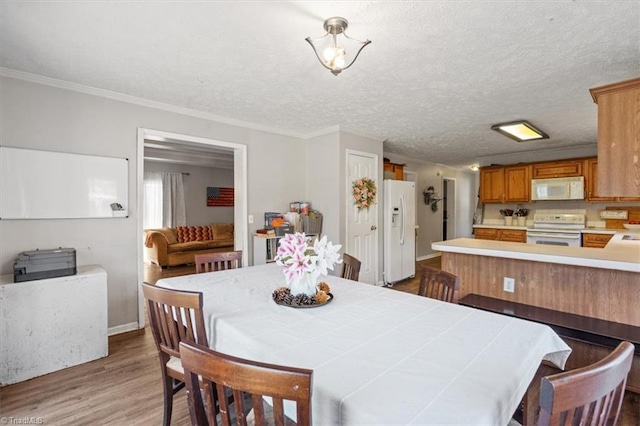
152,196
164,204
173,205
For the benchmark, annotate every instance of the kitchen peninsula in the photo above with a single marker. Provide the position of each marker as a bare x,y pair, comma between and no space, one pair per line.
601,284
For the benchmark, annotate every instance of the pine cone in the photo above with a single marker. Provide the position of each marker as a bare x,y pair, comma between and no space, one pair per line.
322,297
324,287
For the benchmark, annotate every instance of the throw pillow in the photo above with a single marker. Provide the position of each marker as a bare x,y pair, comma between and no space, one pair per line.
193,233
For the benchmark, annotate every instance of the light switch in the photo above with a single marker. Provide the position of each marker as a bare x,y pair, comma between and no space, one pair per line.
250,218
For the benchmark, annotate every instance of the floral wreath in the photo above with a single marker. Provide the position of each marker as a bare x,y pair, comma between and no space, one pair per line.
364,193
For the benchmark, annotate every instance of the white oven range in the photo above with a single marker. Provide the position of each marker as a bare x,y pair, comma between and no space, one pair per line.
557,229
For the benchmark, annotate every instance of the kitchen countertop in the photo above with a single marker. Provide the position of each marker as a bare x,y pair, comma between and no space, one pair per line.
618,254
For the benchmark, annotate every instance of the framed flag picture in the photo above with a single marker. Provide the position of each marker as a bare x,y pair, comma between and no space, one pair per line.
219,197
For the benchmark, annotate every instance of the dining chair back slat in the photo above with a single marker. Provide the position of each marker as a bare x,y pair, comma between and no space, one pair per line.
174,316
212,262
589,395
350,267
243,377
438,284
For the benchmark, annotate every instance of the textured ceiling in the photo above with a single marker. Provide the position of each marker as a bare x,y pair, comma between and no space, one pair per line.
436,76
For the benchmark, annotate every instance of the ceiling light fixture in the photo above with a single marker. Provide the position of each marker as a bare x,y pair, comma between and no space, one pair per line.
520,131
336,56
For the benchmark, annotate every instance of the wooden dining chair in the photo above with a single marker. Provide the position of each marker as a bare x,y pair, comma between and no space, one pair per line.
209,373
438,284
212,262
174,316
589,395
350,267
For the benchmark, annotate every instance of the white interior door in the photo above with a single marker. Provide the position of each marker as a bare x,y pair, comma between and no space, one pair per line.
362,225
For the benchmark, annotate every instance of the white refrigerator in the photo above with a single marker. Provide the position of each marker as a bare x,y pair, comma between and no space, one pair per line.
399,230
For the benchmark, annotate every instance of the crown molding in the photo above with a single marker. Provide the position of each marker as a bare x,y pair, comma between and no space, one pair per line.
88,90
322,132
544,154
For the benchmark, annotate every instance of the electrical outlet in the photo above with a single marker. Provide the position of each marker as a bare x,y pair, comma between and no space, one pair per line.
509,284
250,218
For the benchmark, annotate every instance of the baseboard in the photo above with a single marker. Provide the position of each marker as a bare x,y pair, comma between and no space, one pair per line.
124,328
430,256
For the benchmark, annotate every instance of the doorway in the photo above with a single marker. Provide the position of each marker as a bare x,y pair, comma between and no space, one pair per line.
448,209
239,153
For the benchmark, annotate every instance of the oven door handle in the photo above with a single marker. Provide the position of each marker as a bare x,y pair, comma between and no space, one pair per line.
562,236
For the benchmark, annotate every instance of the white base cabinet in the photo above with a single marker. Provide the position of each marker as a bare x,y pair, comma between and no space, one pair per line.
51,324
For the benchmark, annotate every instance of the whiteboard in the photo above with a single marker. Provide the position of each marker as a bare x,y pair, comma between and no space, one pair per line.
55,185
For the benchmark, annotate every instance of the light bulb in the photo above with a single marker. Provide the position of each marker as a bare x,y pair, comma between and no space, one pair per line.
328,54
339,59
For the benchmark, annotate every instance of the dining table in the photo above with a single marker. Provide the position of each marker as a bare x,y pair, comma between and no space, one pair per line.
379,356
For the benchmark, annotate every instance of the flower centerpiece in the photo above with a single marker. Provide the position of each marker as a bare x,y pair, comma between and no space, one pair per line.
364,193
302,265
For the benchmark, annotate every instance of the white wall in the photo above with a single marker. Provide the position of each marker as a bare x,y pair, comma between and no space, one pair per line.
323,183
195,190
44,117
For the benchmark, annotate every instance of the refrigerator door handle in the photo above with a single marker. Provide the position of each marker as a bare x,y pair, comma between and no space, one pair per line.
403,207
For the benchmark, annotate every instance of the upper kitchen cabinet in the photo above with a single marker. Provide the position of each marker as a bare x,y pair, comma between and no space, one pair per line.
591,181
492,184
517,183
618,138
509,184
557,169
591,184
393,171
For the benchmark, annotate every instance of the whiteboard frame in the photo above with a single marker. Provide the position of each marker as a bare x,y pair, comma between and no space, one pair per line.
35,180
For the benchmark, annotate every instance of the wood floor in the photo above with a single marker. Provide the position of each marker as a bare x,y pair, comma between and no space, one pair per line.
125,387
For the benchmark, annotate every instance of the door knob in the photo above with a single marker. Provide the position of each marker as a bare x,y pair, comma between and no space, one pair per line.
373,227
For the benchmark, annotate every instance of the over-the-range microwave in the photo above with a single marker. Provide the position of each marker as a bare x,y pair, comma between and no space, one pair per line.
569,188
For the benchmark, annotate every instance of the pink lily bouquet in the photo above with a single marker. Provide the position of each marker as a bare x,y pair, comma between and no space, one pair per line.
303,263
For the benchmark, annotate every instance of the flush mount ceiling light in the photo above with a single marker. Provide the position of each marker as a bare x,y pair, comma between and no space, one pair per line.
520,131
336,54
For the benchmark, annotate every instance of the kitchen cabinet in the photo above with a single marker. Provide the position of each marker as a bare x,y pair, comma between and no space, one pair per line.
492,184
595,240
591,181
618,138
556,169
393,171
505,184
591,184
497,234
517,183
487,233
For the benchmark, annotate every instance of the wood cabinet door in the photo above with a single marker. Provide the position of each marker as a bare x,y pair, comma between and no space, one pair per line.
555,169
595,240
591,181
517,183
492,185
486,233
619,138
393,171
514,235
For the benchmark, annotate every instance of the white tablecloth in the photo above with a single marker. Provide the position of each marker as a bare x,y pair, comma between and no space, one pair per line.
379,356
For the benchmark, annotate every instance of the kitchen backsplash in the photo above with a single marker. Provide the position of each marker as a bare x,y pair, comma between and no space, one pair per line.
492,211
